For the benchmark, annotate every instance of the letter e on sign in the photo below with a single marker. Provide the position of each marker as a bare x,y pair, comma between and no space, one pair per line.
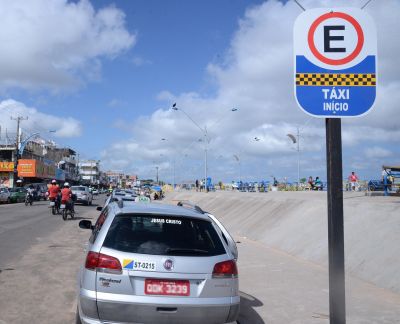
335,56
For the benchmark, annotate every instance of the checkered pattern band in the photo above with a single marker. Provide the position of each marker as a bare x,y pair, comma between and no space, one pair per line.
327,79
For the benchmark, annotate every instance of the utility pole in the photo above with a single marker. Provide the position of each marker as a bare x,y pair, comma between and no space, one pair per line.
17,140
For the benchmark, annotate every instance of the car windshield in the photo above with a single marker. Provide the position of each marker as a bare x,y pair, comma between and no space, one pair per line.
78,188
160,235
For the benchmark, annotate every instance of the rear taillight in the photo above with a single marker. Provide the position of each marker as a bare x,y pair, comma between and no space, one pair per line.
225,269
102,262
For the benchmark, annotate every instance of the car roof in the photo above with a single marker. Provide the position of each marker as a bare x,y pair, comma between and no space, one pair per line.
128,207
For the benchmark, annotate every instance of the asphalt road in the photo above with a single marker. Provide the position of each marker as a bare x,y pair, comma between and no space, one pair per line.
23,226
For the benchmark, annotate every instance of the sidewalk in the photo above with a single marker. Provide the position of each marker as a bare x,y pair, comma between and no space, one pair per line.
279,288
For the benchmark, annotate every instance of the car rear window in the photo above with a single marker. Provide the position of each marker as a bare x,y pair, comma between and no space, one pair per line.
158,235
78,188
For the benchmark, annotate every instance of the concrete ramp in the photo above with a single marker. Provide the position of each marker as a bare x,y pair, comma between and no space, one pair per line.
296,222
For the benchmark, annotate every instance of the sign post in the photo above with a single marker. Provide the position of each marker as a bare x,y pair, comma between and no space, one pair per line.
335,77
337,295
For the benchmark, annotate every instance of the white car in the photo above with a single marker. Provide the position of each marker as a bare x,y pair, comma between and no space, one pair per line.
5,195
158,264
83,194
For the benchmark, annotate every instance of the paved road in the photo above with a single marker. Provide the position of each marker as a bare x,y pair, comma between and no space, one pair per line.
23,226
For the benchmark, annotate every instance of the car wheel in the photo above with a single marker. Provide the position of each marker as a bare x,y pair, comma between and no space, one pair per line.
371,188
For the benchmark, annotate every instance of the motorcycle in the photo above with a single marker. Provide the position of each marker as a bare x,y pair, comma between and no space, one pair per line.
28,199
66,209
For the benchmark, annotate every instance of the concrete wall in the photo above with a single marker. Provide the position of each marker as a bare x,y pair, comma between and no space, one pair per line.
296,222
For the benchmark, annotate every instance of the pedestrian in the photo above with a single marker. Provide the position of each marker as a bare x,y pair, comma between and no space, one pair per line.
311,182
353,179
201,184
317,184
197,184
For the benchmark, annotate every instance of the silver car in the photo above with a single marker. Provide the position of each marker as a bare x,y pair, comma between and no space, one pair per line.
157,263
83,194
5,195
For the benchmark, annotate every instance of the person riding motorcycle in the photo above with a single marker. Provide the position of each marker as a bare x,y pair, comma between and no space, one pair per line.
66,197
53,192
30,193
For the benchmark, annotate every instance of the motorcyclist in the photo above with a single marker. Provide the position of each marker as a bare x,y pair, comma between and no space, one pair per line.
66,197
30,193
53,192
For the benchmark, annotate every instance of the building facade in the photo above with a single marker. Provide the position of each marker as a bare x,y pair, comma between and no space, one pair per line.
90,172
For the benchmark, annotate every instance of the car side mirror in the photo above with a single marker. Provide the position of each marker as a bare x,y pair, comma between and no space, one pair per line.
86,224
99,208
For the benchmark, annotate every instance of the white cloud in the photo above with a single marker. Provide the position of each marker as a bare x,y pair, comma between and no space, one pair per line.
37,121
113,103
257,78
376,152
140,61
55,44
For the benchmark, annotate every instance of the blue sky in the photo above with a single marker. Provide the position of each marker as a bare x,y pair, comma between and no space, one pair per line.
175,42
115,67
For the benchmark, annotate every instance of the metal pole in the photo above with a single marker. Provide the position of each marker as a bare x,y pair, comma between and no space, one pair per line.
298,158
18,119
205,159
157,173
337,298
173,183
240,172
205,167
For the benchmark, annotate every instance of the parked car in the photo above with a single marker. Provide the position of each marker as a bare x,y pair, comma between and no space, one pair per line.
5,195
378,185
156,263
17,194
83,194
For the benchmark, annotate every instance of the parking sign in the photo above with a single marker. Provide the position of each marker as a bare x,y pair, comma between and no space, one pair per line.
335,62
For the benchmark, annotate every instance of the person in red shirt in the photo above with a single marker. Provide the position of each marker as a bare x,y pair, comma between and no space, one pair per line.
353,179
53,190
66,196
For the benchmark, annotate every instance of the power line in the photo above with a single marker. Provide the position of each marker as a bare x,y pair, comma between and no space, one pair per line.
366,4
298,3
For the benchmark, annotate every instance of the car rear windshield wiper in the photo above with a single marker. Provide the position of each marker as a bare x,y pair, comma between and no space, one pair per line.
185,250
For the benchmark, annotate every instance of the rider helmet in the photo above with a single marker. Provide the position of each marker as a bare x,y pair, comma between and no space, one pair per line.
66,184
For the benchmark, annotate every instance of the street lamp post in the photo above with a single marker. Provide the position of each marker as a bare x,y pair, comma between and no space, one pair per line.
240,168
296,140
157,174
206,138
173,169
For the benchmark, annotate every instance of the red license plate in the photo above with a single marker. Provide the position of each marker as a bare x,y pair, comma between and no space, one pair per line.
167,287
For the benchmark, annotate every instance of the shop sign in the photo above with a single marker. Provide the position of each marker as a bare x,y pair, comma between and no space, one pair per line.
26,168
6,166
